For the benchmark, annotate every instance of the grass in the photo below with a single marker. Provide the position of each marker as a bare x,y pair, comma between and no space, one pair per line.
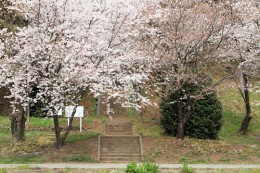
78,158
15,159
27,167
2,170
72,138
39,135
234,114
5,122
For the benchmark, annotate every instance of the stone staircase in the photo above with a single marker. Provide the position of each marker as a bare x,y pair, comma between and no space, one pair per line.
118,144
118,127
120,148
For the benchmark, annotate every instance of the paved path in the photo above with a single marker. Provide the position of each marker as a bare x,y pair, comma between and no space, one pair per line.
123,166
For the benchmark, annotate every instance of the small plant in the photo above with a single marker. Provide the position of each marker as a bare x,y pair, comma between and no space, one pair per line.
183,160
186,168
144,168
2,170
132,168
49,171
78,158
150,167
24,167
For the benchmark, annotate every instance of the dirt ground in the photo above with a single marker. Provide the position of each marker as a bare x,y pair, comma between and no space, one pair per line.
170,150
88,147
165,149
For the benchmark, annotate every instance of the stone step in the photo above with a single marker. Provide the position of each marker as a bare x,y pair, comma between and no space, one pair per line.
106,153
120,159
120,148
118,128
119,145
121,142
126,141
121,137
121,155
118,120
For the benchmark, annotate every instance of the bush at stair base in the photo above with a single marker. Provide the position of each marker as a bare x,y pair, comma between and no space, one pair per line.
144,168
205,121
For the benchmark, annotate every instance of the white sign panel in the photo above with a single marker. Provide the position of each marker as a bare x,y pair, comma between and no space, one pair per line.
59,111
79,111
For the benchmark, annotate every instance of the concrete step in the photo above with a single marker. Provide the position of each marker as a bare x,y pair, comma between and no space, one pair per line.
120,148
120,159
107,153
128,150
119,145
121,155
118,120
121,137
119,126
126,141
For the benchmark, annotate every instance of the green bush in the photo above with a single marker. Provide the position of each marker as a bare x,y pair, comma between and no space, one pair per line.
186,168
144,168
206,119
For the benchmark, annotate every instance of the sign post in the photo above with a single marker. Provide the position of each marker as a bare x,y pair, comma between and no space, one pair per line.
79,113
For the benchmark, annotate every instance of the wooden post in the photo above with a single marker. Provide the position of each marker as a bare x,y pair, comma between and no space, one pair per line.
98,106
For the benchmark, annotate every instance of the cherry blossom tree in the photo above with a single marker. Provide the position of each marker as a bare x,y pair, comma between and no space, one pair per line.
70,46
243,48
183,37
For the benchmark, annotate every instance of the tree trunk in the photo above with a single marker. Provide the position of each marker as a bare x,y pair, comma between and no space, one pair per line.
58,144
60,140
18,125
248,116
98,106
180,130
68,129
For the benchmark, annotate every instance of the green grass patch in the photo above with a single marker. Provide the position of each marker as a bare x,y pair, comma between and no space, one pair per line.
24,167
16,159
199,161
3,170
72,138
5,122
37,121
224,160
5,137
78,158
234,112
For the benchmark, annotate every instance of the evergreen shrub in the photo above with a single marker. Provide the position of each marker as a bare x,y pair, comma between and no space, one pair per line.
206,119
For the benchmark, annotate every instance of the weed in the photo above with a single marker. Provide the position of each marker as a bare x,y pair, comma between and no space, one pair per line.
201,160
72,138
24,167
186,168
2,170
225,160
22,159
242,157
183,160
48,171
144,168
78,158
